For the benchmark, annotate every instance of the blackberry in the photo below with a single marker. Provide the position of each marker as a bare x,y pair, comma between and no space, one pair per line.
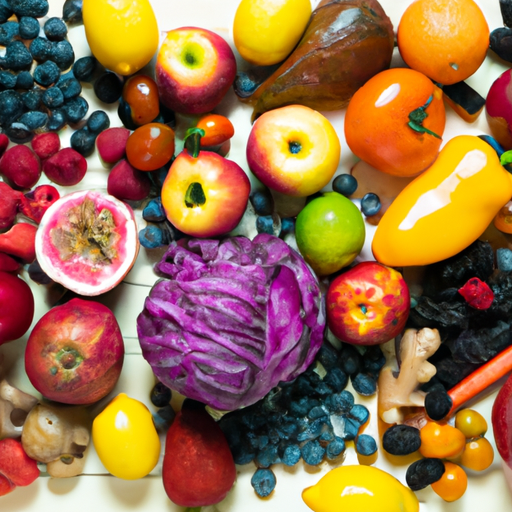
52,98
29,27
46,74
55,29
401,440
8,31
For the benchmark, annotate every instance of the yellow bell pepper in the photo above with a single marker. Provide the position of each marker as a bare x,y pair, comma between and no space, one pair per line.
359,489
446,208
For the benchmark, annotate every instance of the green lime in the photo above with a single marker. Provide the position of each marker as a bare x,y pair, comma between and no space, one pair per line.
330,233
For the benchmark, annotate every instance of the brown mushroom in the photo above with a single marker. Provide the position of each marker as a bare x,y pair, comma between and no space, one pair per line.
14,408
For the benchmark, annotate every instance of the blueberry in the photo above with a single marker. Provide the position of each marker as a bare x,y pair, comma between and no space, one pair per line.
151,237
350,360
40,49
32,99
364,384
504,259
72,11
153,211
262,202
5,10
262,442
47,73
8,31
366,445
287,226
84,68
351,429
401,440
345,184
263,482
267,456
124,111
317,412
359,413
291,455
35,8
8,80
245,84
55,29
438,404
339,403
83,141
38,275
160,395
24,80
52,97
76,109
243,454
265,224
313,429
108,87
98,121
336,379
57,120
29,27
70,87
373,359
17,57
335,448
62,54
326,437
370,204
312,452
19,133
424,472
163,418
11,106
34,119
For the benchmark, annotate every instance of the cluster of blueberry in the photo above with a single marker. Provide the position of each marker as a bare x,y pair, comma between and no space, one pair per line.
310,418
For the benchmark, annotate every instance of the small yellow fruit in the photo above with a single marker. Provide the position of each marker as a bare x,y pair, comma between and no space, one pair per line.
126,439
266,31
122,35
359,489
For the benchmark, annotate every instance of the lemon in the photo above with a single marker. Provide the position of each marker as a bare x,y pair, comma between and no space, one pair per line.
266,31
330,233
359,489
123,35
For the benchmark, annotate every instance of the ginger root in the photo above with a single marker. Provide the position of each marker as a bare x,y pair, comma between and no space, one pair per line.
398,387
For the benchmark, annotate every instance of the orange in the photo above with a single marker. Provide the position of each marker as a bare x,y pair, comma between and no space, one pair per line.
395,122
447,40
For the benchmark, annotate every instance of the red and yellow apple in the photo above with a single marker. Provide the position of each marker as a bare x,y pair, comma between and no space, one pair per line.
293,150
368,304
195,67
501,419
16,307
75,352
205,196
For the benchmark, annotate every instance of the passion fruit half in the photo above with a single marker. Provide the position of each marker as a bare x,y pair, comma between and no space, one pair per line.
87,241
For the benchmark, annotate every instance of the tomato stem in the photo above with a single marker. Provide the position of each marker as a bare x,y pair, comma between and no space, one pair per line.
416,118
192,140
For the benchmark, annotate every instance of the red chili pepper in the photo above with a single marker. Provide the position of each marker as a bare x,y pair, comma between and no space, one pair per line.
477,293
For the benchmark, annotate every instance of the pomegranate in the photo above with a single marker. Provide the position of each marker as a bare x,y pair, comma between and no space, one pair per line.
87,241
16,307
75,352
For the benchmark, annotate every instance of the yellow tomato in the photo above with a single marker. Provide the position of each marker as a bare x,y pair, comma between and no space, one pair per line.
122,35
126,439
266,31
359,489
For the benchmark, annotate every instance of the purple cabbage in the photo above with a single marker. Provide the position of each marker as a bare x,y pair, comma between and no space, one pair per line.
233,319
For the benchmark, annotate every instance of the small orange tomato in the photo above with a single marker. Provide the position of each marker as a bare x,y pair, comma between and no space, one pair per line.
141,93
395,122
150,146
453,484
471,423
440,440
478,454
217,129
503,220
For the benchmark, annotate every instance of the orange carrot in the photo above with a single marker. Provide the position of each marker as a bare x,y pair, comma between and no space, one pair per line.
480,379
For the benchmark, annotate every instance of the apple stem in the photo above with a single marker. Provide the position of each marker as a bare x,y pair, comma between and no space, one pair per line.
192,140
